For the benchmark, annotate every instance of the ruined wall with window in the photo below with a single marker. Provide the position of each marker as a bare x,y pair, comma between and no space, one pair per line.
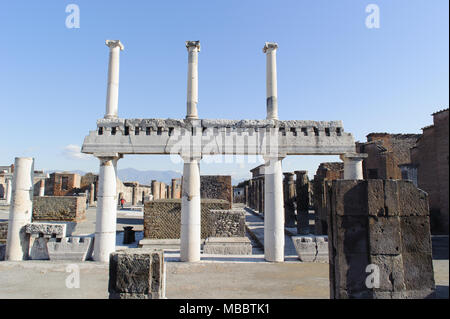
62,184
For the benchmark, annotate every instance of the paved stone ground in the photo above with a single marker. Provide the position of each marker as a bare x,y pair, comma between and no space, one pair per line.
214,277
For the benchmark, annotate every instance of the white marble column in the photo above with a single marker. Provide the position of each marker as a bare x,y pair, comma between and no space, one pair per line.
353,165
273,210
42,187
190,211
193,48
21,209
270,49
8,190
105,227
112,94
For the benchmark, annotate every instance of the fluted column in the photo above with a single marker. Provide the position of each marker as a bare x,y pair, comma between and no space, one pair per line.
270,49
112,94
193,48
21,209
106,219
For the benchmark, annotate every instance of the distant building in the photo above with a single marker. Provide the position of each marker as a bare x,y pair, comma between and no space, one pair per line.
62,184
330,171
429,164
385,153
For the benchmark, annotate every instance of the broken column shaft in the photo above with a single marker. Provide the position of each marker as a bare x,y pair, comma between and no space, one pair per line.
270,49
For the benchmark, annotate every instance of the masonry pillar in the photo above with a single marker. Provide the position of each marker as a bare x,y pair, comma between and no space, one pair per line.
21,209
289,198
262,187
270,49
92,195
134,198
112,93
190,211
273,210
302,186
246,195
353,165
193,48
105,226
8,190
156,189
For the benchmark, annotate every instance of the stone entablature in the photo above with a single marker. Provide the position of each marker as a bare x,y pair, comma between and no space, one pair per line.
209,136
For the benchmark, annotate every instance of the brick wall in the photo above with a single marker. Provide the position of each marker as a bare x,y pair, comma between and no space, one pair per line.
162,217
59,208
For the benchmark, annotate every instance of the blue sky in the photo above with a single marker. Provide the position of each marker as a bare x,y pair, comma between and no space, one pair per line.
330,67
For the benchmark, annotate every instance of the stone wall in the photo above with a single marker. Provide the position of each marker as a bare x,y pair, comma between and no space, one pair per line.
56,184
216,187
379,227
59,208
226,223
162,218
3,232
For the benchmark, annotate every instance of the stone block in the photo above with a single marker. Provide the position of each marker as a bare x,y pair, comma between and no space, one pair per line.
137,274
69,248
375,197
416,237
418,271
311,248
46,230
351,234
305,247
3,232
350,273
227,246
384,235
412,201
391,272
349,198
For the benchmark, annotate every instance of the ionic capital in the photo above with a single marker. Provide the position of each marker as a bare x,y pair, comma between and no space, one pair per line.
270,46
193,44
114,43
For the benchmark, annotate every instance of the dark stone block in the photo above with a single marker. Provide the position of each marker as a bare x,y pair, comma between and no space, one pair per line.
391,198
136,273
418,270
351,234
350,272
349,198
411,200
416,237
375,197
384,235
391,272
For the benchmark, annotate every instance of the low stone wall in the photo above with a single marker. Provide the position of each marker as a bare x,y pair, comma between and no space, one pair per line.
59,208
227,223
162,217
3,232
379,240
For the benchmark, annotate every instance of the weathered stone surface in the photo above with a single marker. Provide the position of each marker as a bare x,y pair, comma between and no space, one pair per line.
69,248
311,248
162,218
384,235
227,246
227,223
59,208
136,274
46,230
383,223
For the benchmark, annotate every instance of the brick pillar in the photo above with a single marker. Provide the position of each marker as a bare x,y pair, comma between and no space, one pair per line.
302,187
379,228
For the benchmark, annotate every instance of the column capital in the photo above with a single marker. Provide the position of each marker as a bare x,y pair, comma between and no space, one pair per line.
353,156
193,44
114,43
270,46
